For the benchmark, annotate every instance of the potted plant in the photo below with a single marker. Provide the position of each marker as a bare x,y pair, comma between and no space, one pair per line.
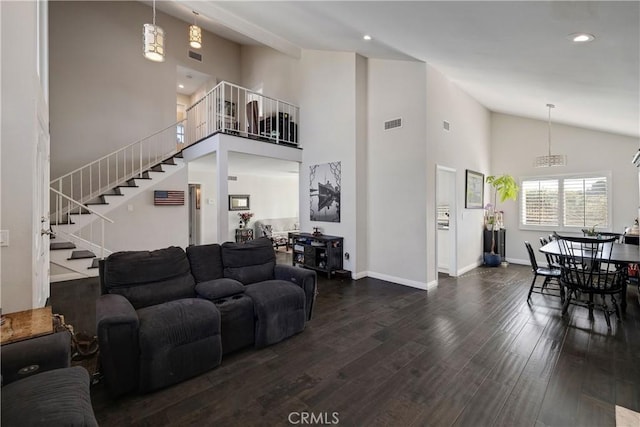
507,188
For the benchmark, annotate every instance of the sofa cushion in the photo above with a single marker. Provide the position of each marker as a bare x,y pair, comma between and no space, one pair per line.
178,340
148,277
279,309
250,262
206,262
219,288
58,397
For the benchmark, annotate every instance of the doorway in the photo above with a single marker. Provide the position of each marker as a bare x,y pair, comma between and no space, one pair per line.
446,217
194,214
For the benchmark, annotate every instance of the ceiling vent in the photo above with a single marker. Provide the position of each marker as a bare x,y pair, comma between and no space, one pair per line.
392,124
446,126
195,55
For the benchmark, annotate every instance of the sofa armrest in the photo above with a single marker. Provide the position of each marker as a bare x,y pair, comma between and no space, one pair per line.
25,358
117,326
306,279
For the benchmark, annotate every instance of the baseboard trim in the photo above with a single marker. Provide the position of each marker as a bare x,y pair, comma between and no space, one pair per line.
468,268
399,280
518,261
65,276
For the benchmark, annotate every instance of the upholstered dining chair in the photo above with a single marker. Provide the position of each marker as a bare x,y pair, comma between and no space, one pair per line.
550,275
587,272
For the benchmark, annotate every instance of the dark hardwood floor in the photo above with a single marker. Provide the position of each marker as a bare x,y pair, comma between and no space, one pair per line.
471,352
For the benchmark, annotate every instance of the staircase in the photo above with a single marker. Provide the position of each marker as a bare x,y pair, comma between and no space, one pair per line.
82,200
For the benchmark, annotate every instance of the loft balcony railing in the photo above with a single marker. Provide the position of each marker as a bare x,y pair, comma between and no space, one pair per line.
235,110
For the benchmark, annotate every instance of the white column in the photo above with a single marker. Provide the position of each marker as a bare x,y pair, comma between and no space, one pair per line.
222,184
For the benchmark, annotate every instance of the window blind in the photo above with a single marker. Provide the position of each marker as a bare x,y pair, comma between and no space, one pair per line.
586,202
577,201
540,202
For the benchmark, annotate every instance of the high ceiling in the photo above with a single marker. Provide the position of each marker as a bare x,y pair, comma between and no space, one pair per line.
513,57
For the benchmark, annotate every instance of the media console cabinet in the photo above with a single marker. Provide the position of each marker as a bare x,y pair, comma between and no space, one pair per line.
321,253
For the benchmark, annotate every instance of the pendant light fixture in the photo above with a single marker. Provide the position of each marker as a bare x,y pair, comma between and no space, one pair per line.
195,33
153,40
550,159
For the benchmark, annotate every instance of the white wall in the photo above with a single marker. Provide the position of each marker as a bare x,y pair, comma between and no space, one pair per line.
270,197
397,174
465,146
104,94
327,94
149,227
208,212
516,141
19,139
274,72
362,136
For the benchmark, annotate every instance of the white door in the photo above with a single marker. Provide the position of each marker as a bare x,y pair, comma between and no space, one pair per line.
41,223
446,241
40,212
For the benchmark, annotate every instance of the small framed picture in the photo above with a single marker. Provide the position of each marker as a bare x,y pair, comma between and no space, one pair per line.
238,202
474,190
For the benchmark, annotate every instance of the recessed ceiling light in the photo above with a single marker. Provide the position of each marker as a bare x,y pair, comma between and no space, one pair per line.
581,37
367,37
181,86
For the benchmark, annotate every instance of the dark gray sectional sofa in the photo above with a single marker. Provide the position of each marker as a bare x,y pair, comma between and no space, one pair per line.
168,315
39,388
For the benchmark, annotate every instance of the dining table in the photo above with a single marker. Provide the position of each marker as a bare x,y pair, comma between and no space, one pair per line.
622,254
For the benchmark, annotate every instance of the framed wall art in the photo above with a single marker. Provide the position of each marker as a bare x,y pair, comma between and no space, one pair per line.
474,190
238,202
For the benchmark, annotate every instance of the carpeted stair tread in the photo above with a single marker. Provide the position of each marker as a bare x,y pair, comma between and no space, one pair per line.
179,155
127,186
61,245
157,168
81,255
96,203
169,161
94,263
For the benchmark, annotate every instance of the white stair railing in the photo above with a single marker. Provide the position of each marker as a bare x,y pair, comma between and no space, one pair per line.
102,175
59,197
230,108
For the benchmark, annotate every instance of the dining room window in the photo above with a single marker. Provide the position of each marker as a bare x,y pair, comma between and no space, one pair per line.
567,203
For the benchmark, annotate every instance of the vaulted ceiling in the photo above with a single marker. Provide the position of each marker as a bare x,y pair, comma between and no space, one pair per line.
513,57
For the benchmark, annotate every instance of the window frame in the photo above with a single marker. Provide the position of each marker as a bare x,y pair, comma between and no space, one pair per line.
561,227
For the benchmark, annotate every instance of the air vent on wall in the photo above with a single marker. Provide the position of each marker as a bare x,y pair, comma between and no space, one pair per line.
195,55
445,125
392,124
232,178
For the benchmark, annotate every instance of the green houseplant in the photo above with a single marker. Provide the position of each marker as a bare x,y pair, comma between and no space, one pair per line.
507,188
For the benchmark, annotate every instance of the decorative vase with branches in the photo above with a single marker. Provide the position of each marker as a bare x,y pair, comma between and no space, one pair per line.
507,188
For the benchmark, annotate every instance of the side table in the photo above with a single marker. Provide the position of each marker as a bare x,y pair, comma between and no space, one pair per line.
23,325
244,235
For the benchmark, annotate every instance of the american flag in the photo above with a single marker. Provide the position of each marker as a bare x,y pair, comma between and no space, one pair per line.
168,197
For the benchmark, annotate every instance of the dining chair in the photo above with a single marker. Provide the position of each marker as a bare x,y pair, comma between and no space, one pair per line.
552,261
549,273
587,272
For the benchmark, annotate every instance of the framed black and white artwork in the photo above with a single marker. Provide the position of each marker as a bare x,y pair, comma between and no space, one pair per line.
474,190
324,192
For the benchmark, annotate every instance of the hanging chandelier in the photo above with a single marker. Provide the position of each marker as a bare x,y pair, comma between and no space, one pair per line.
550,159
153,40
195,33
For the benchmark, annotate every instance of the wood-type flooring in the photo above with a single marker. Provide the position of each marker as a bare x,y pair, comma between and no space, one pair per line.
470,352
